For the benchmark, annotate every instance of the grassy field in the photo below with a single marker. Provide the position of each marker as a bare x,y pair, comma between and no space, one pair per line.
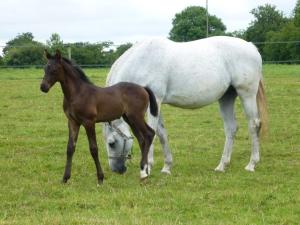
33,136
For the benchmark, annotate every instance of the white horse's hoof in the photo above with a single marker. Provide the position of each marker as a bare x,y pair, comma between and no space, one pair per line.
250,168
220,168
166,171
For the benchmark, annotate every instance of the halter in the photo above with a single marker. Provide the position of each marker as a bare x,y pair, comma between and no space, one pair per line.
125,138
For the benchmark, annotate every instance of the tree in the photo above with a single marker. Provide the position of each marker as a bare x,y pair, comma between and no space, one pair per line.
267,18
20,40
283,51
237,33
23,50
89,54
190,24
55,43
1,60
121,49
297,14
289,32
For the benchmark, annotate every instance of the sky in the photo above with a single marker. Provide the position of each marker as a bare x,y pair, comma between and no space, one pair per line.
119,21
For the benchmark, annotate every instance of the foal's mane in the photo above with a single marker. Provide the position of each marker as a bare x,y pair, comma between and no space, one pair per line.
78,70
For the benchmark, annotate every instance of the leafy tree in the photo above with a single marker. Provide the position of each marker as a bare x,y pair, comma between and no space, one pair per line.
297,14
88,54
55,43
190,24
23,50
267,18
121,49
20,40
237,33
289,32
283,51
85,53
1,60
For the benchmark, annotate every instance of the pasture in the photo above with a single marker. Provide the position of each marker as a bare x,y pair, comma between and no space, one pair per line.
33,138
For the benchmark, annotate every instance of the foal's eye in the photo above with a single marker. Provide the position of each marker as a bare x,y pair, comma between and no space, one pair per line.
52,70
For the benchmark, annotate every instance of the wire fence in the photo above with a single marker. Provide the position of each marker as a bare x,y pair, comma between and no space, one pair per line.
113,46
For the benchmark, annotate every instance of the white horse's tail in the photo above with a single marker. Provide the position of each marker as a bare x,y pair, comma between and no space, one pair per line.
262,108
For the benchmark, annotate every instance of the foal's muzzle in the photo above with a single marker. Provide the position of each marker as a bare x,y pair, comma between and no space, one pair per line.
44,88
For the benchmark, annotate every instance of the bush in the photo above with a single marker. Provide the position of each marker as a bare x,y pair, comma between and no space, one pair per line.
1,61
29,55
284,51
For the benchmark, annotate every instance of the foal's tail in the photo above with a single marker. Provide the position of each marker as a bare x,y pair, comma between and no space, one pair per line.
153,103
262,108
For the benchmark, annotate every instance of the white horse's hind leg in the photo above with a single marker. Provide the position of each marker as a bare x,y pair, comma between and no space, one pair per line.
163,138
250,107
230,127
153,123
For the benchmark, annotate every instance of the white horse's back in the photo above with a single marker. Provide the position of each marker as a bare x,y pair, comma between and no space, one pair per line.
206,68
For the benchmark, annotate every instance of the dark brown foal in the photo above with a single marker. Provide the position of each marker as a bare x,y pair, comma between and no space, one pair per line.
86,104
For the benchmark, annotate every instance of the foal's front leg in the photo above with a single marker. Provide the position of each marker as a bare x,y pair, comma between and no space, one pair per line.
91,134
73,135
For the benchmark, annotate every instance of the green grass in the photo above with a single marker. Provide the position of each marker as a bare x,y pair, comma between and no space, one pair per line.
33,136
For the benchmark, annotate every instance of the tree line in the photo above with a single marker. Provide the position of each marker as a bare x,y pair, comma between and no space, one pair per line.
276,36
24,50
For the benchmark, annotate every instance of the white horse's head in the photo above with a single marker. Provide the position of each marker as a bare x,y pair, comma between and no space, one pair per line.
119,143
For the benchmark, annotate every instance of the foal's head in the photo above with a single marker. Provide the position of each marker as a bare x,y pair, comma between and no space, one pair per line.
53,71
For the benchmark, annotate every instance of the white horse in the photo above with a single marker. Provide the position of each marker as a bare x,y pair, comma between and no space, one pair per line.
191,75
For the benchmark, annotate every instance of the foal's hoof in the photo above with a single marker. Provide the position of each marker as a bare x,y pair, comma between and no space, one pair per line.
65,180
143,175
100,180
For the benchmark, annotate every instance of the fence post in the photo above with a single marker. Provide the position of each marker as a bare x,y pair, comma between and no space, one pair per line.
69,53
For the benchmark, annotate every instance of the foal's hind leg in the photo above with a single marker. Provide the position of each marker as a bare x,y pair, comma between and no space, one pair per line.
153,123
230,126
250,107
144,135
148,135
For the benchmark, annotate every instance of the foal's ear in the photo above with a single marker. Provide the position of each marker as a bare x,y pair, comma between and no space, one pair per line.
58,55
47,54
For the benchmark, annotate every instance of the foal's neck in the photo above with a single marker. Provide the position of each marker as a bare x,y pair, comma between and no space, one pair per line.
71,83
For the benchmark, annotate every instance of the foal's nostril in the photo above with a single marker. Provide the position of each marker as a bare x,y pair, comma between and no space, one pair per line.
43,88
